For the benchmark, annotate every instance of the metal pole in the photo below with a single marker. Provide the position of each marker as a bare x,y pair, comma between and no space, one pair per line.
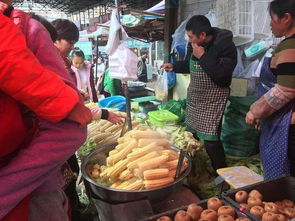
96,60
84,19
125,84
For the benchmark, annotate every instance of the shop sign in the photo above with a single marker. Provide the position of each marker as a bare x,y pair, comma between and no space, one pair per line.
132,43
85,46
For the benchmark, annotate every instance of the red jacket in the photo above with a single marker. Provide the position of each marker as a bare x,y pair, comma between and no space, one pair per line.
23,80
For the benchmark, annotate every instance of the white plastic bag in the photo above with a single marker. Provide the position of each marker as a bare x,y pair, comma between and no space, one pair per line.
179,35
161,90
122,61
114,41
123,64
240,66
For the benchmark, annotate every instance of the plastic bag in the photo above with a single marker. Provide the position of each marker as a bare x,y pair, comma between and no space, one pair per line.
240,66
249,70
171,76
238,138
212,18
115,26
161,90
179,40
123,64
122,61
177,107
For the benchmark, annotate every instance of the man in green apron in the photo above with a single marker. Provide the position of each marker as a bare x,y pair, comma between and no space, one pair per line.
210,60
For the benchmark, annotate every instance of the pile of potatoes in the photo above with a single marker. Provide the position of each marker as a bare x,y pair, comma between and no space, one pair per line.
215,211
265,211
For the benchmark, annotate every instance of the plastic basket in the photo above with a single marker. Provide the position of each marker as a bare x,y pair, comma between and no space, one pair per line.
272,190
237,16
115,102
202,203
162,117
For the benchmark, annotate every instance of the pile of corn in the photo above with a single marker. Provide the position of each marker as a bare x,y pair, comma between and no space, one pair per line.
103,132
141,160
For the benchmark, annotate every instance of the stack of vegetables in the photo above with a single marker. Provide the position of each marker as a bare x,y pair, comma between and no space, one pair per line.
180,137
100,132
143,159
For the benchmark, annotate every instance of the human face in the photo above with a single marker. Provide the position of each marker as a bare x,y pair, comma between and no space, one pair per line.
280,26
197,39
78,62
65,46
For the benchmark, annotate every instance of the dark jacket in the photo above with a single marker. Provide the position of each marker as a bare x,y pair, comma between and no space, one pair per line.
141,70
219,60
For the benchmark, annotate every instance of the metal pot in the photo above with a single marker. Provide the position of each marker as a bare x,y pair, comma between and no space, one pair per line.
121,196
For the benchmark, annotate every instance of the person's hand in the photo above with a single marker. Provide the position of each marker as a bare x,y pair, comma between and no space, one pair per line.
167,67
80,114
252,121
115,118
85,95
293,118
198,51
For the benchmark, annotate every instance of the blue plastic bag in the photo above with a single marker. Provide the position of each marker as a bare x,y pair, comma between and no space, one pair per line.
171,76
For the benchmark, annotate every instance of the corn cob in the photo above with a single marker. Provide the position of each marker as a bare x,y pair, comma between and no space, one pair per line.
155,173
121,140
112,152
116,184
105,126
137,185
159,142
104,174
171,165
172,173
133,164
117,169
113,128
108,140
142,151
126,175
92,136
111,160
101,123
150,184
172,155
121,146
126,183
146,134
101,136
152,163
92,127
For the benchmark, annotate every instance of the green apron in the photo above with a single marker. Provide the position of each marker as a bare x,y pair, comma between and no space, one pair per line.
206,103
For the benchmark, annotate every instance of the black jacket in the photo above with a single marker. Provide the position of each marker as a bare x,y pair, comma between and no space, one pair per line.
219,60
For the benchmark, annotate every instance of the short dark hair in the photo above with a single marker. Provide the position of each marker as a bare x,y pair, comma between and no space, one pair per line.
280,7
78,53
66,30
49,27
143,52
198,24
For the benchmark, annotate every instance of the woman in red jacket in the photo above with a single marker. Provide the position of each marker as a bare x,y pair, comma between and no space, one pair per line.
23,80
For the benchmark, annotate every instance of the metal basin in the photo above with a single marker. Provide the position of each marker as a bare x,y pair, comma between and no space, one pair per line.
121,196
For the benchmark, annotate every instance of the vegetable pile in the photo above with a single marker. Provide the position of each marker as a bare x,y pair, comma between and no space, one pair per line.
142,160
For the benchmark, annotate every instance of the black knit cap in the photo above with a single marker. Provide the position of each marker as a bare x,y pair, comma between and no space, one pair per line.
66,30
